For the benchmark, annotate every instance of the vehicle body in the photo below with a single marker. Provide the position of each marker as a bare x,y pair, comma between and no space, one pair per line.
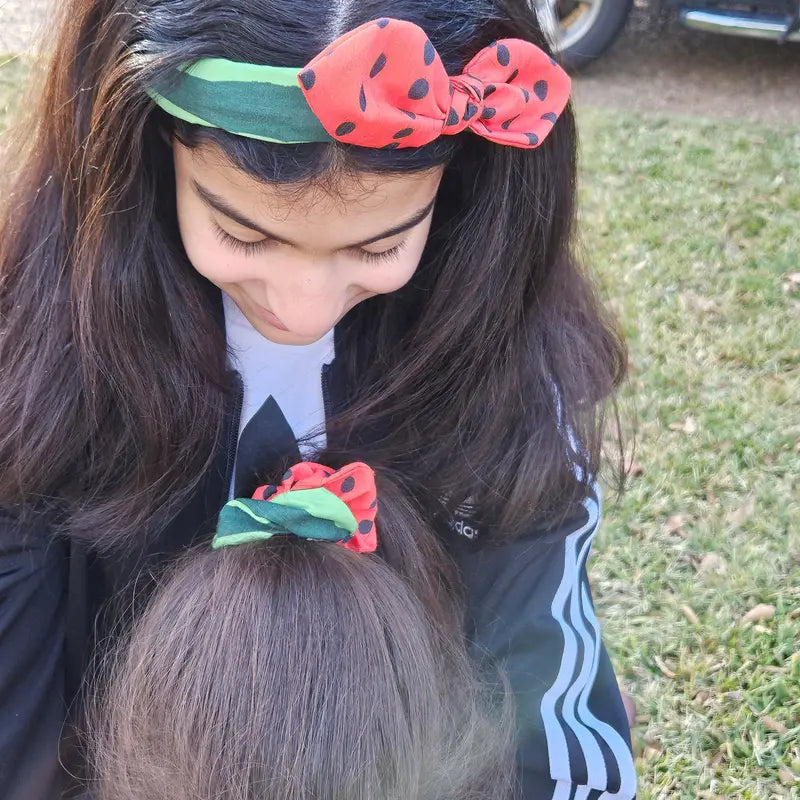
582,29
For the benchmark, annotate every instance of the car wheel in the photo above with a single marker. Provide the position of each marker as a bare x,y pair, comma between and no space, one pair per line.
580,30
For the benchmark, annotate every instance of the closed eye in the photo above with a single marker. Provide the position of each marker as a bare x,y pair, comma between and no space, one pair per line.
386,255
239,245
252,248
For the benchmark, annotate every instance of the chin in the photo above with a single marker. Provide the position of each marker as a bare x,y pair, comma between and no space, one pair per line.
285,337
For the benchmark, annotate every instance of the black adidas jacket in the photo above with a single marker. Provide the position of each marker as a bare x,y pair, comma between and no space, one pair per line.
529,607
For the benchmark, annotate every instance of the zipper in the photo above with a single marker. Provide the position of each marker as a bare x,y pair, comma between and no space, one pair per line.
326,391
233,437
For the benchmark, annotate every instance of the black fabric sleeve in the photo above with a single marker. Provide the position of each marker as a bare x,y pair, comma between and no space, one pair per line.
529,609
32,581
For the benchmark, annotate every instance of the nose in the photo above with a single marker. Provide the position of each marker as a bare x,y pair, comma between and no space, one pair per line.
308,296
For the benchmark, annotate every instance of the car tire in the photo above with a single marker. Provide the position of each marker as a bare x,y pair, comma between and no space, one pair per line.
587,36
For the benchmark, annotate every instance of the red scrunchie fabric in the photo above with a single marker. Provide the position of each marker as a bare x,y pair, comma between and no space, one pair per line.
383,85
354,484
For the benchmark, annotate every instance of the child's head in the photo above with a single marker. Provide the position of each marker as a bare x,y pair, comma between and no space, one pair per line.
293,669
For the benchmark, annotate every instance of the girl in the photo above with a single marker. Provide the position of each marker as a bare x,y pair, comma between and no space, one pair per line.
292,668
238,232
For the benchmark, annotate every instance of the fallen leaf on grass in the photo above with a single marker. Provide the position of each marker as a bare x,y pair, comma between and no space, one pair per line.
701,696
652,747
739,516
634,469
792,282
774,725
691,301
711,562
758,613
690,615
775,670
675,525
718,759
688,426
664,668
788,778
794,613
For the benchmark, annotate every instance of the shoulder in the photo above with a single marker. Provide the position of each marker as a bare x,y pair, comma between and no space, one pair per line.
462,530
529,608
28,549
536,569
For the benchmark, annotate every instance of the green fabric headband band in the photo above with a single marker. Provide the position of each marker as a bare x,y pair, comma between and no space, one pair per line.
252,100
383,86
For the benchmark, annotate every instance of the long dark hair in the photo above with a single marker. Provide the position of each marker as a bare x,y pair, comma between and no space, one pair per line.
472,380
293,669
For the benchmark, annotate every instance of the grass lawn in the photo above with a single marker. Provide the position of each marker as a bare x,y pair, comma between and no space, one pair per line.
694,229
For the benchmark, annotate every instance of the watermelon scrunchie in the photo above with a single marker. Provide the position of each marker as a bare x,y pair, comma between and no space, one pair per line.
311,502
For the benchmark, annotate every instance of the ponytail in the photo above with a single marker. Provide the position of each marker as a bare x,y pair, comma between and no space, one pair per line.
292,669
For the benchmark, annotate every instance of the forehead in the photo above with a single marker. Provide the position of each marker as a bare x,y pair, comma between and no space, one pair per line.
358,198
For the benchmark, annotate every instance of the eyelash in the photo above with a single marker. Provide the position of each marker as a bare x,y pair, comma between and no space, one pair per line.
251,248
237,245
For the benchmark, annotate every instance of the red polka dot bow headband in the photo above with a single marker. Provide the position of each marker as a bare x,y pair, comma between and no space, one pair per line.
311,502
382,85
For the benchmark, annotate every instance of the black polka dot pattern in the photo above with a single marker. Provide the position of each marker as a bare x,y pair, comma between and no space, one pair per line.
365,526
419,89
380,63
269,491
348,484
503,56
288,476
374,503
308,79
509,122
482,96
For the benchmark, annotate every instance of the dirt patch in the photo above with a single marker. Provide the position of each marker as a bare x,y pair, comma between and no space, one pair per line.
657,65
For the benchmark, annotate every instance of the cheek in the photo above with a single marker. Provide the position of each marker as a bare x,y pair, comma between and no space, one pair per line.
389,276
210,257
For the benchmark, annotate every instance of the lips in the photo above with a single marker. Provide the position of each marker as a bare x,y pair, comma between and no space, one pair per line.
270,318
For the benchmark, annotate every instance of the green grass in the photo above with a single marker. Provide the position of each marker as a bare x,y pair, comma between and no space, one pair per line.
694,230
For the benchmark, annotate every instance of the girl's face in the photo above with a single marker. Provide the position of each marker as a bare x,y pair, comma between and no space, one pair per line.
297,259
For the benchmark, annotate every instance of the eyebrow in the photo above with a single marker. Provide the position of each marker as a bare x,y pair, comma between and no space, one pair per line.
220,204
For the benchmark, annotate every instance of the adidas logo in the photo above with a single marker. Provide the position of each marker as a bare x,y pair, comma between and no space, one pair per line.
460,522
